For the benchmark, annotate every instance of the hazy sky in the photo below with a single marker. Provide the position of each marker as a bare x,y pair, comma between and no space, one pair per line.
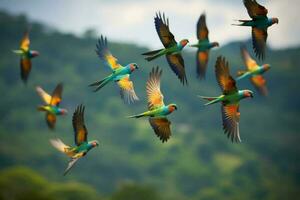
132,20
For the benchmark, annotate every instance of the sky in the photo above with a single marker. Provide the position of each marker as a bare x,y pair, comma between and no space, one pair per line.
132,21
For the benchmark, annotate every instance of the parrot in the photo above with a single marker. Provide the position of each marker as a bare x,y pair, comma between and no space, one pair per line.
229,99
83,146
51,106
120,74
254,72
203,45
26,55
259,23
171,49
157,110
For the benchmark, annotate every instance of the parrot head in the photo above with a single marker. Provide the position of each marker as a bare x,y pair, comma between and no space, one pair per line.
172,107
94,143
275,20
247,93
215,44
184,42
133,66
63,111
266,67
34,54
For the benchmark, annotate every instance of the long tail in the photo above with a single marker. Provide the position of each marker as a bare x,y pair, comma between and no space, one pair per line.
242,74
242,22
102,83
151,55
19,52
211,100
41,108
138,115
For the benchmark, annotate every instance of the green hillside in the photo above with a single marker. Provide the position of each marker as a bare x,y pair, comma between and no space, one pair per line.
198,162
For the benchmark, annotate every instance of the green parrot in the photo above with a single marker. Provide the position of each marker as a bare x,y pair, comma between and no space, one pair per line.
120,74
26,56
203,45
259,23
230,99
51,106
82,145
157,110
254,72
171,49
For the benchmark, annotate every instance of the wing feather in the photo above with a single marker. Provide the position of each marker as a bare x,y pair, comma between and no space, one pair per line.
57,95
259,39
163,31
155,97
259,83
44,95
161,127
79,126
231,118
249,62
255,10
176,63
202,30
202,60
127,90
25,42
25,64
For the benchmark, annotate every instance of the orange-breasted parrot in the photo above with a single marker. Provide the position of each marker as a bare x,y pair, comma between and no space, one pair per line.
51,106
230,99
171,49
254,72
259,23
26,55
157,110
203,45
120,74
83,146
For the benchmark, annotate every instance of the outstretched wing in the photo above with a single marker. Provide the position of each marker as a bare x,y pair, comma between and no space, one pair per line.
202,60
225,80
255,10
176,63
105,55
249,62
25,42
163,31
127,90
231,118
56,95
202,30
79,126
161,127
44,95
51,120
259,39
25,64
155,97
70,165
260,84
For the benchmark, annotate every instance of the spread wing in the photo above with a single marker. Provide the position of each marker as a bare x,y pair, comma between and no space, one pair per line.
225,80
202,30
79,126
50,119
202,60
260,84
25,64
127,90
155,97
56,95
259,39
231,118
105,55
249,62
161,127
70,165
176,63
163,31
44,95
25,42
255,10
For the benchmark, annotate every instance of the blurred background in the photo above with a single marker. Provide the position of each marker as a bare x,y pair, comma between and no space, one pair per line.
198,162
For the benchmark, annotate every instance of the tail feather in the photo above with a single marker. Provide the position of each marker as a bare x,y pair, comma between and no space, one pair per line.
152,57
100,84
137,116
211,100
18,51
242,22
41,108
59,145
241,72
149,53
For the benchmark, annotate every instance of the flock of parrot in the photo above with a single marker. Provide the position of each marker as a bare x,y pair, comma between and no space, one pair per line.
157,110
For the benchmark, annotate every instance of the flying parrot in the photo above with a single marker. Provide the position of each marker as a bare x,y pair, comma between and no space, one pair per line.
83,146
203,45
26,55
254,72
259,23
230,99
51,106
171,49
120,74
157,110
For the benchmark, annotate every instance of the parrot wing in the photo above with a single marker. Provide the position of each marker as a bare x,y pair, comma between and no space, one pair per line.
56,95
51,120
225,80
202,60
249,62
127,90
105,55
260,84
202,30
176,63
44,95
25,64
161,127
255,10
231,117
163,31
79,126
25,42
155,97
259,39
